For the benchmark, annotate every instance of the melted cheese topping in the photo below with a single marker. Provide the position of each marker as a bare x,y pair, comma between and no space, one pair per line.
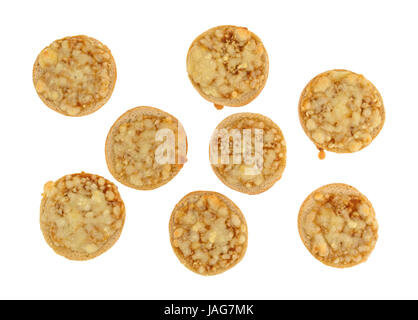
206,235
243,175
341,111
134,146
339,229
75,75
228,63
81,213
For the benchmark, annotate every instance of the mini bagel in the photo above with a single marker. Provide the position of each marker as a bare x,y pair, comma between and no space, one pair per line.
208,233
131,147
75,76
228,66
341,111
81,216
338,225
240,176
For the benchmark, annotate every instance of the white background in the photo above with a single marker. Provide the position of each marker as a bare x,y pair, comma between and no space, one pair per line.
149,41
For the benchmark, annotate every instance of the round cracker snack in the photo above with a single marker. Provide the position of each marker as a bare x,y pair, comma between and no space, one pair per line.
248,152
208,232
337,224
146,148
341,111
82,215
75,76
228,66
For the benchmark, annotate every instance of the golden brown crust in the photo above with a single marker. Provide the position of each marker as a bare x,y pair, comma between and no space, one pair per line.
240,77
208,232
116,156
81,215
337,224
341,111
77,82
274,154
